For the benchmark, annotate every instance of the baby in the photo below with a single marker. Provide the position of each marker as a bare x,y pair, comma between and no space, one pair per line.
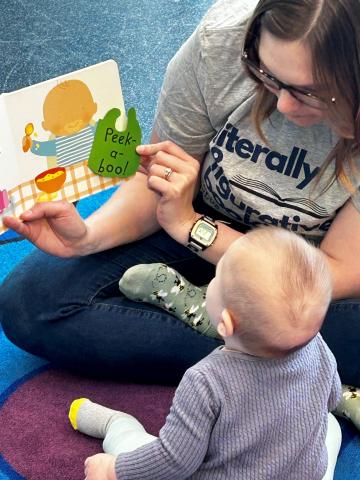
256,407
68,114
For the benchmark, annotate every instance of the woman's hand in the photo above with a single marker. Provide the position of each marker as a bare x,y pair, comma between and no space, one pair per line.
100,467
55,227
175,212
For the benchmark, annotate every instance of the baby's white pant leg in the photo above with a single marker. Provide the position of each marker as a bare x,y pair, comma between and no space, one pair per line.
333,444
125,434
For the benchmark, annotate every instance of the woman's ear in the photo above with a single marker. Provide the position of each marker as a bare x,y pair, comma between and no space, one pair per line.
225,327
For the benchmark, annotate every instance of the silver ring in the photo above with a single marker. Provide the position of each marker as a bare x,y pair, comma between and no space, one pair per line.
167,173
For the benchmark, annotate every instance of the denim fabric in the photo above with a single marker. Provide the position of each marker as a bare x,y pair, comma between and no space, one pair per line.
341,331
71,312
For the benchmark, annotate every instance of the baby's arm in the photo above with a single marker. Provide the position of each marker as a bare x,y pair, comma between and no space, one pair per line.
43,149
183,441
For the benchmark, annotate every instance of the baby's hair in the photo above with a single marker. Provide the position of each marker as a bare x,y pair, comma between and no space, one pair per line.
279,285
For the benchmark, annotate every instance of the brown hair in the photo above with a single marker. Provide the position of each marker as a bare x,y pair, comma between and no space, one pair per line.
331,28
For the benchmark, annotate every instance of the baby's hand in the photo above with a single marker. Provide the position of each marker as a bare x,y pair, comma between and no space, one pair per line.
26,143
100,467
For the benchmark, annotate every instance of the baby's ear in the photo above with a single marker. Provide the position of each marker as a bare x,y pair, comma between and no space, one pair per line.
43,124
225,327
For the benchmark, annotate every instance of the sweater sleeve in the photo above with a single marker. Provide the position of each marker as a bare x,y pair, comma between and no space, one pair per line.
335,393
183,440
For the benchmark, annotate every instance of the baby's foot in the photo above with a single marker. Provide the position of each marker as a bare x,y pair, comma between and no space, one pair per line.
162,286
91,418
349,405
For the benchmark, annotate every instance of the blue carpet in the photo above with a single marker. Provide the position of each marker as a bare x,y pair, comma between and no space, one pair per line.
40,40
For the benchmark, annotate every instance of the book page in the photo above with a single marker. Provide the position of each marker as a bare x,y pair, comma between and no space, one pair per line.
50,131
9,167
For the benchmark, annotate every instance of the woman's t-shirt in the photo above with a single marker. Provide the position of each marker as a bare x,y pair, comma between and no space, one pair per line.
205,106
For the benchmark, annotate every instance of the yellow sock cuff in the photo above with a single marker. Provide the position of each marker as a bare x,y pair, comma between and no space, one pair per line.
73,411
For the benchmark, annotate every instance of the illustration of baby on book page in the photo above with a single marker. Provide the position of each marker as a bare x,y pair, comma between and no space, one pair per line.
65,138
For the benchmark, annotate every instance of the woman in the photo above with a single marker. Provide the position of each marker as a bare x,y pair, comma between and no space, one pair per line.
262,110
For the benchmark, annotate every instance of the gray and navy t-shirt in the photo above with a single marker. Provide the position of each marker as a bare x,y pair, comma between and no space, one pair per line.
205,107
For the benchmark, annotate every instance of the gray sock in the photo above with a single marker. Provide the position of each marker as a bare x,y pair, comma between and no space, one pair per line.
94,419
162,286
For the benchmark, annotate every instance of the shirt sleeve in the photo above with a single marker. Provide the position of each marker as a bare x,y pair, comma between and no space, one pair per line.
44,149
183,440
205,81
182,114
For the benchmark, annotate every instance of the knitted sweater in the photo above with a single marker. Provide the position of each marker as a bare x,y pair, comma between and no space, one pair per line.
237,416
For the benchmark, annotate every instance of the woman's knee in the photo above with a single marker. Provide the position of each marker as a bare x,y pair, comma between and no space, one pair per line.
25,299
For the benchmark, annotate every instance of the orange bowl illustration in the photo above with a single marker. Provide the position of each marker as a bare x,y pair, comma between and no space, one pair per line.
51,180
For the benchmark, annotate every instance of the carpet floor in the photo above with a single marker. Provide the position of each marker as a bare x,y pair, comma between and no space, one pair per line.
40,40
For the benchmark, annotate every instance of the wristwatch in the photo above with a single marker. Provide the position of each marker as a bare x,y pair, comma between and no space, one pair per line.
202,234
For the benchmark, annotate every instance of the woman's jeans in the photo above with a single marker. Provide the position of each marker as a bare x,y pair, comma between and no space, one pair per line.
71,312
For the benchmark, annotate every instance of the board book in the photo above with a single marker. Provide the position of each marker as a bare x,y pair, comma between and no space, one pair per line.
65,139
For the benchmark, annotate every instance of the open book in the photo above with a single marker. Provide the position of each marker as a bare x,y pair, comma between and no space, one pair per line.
65,138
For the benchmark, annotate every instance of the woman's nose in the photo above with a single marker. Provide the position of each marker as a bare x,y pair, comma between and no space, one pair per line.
286,103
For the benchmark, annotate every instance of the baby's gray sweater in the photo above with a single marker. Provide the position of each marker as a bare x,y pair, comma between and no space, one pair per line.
236,416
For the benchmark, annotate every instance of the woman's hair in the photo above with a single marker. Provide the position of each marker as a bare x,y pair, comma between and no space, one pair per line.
331,29
275,281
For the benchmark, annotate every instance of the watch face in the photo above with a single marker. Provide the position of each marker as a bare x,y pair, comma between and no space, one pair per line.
204,233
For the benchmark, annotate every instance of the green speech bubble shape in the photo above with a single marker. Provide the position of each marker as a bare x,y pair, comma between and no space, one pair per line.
113,153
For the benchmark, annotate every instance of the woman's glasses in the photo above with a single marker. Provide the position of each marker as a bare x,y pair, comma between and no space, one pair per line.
274,85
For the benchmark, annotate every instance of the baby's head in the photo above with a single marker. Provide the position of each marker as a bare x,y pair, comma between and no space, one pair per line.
270,294
68,108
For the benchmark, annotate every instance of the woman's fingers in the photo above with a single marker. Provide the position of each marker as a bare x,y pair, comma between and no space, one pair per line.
162,161
39,210
167,154
167,146
47,210
163,179
161,186
161,171
15,224
167,161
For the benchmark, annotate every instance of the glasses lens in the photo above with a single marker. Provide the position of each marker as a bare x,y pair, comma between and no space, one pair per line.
267,81
311,101
274,86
